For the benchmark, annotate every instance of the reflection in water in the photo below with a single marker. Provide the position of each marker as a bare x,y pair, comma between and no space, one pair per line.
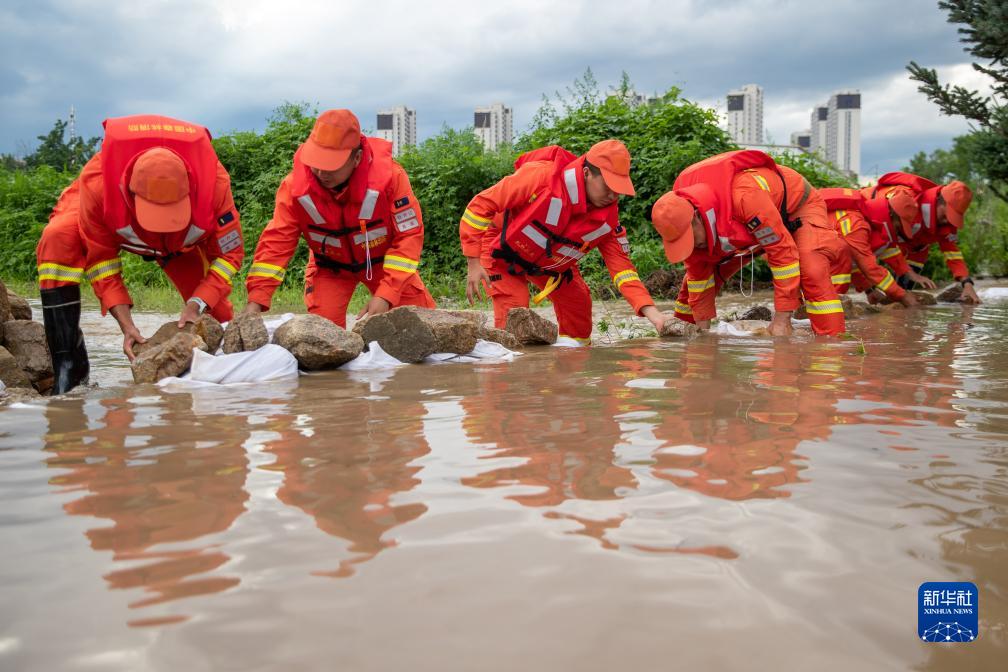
156,493
747,483
345,467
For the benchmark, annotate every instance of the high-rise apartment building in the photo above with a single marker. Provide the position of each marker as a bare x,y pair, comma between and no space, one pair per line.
802,139
398,126
817,128
843,131
745,115
493,125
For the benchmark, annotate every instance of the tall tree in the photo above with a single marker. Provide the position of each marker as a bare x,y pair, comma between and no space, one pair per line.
54,150
984,29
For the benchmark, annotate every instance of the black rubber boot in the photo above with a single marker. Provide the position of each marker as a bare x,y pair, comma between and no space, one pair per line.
61,310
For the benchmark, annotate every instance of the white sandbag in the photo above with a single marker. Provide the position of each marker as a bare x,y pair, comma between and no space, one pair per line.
273,323
373,358
270,362
484,351
729,329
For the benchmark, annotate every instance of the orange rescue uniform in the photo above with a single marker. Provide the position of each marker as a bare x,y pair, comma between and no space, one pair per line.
80,242
371,232
533,183
928,232
800,260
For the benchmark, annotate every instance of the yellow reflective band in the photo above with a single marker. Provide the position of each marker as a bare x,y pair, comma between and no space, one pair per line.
475,221
845,226
623,277
889,253
683,308
856,270
841,279
104,269
887,282
952,256
224,269
698,286
785,272
840,214
60,273
261,269
582,341
823,307
916,264
761,182
400,264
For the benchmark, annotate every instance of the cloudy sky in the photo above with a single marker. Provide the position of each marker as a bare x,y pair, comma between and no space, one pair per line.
228,63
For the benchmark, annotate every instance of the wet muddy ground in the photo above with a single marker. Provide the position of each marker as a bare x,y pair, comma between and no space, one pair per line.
718,504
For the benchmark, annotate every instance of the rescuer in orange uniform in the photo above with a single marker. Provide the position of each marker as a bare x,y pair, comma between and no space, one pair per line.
941,216
870,228
354,206
739,204
155,189
536,225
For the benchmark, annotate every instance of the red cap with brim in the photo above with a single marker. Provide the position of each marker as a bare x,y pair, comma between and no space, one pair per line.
672,217
333,139
612,159
160,187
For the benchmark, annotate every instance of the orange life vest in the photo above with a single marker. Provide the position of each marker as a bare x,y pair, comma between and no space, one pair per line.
557,227
355,233
707,185
882,233
128,137
926,192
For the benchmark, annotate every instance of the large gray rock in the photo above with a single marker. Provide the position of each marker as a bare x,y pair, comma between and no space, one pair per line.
479,318
762,313
171,357
409,333
10,373
530,328
676,328
951,294
206,327
19,308
926,298
26,341
317,343
5,313
245,333
451,332
505,338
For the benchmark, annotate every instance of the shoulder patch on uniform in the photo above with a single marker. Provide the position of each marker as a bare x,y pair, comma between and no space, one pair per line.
226,218
229,241
753,224
401,203
407,225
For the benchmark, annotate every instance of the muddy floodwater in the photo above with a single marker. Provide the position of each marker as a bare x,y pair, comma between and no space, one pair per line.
726,503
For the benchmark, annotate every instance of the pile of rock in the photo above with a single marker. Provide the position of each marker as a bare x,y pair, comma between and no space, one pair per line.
25,364
169,352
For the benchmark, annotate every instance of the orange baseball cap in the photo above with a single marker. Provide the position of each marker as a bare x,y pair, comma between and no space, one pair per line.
957,198
672,217
333,138
905,206
160,185
613,159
